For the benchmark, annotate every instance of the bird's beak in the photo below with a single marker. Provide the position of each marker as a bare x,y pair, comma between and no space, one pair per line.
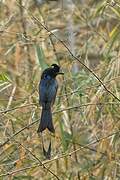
61,72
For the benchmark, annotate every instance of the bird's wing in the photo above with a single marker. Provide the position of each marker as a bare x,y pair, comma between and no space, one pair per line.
55,91
42,91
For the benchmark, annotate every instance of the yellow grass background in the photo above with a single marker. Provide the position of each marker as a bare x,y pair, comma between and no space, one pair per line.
83,37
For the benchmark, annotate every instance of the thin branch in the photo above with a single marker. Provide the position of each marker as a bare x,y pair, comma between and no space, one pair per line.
61,110
84,105
63,155
96,141
84,146
17,107
18,132
37,21
40,162
35,157
89,87
69,108
19,170
70,93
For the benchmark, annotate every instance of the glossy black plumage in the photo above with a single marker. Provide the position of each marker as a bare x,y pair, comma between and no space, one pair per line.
47,93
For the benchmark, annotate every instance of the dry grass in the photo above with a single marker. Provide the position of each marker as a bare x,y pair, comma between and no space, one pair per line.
86,114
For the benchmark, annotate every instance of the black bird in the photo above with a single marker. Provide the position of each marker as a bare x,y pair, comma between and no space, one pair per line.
47,93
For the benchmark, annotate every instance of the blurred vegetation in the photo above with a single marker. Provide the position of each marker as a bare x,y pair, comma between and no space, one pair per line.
33,35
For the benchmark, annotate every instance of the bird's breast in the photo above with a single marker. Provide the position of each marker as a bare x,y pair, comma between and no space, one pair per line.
48,89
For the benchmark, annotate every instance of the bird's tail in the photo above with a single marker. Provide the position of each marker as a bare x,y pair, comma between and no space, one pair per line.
46,121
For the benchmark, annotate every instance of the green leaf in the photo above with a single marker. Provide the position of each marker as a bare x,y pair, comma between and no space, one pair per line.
100,9
114,34
66,137
4,78
40,57
116,11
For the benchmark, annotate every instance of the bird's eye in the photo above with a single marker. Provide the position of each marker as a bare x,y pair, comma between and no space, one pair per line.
53,65
56,67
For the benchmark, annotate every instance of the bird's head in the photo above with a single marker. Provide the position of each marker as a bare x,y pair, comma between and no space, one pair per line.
56,69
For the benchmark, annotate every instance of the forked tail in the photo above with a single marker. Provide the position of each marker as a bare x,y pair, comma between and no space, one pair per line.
46,121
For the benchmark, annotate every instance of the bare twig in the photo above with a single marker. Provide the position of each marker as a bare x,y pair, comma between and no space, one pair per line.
63,155
17,107
18,132
61,110
37,21
35,157
90,87
73,107
19,170
83,105
40,162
